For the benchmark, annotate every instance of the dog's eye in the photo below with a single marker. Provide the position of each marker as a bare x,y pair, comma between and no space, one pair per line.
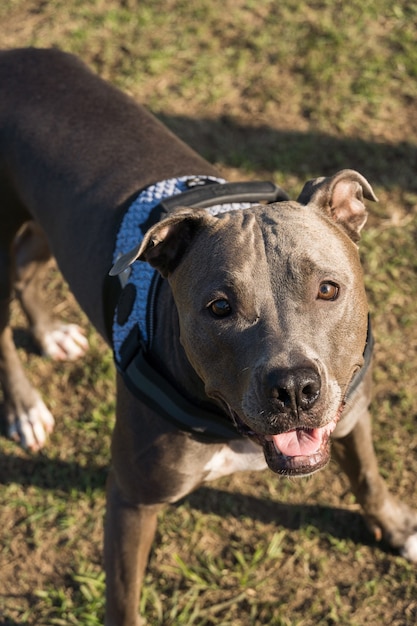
220,308
328,291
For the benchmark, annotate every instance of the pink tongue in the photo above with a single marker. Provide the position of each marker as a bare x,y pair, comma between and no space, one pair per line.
299,442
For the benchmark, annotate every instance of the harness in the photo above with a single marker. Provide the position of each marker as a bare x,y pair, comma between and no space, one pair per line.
132,296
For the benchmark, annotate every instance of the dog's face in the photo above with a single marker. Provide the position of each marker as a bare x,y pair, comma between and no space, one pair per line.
273,314
273,318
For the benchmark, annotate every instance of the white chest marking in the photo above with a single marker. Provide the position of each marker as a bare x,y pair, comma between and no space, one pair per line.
237,456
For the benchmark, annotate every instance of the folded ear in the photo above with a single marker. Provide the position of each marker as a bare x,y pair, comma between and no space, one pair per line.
341,197
165,242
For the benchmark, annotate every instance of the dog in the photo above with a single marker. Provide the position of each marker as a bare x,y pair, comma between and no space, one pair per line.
238,318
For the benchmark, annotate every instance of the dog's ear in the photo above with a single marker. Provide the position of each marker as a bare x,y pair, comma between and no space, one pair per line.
341,196
165,242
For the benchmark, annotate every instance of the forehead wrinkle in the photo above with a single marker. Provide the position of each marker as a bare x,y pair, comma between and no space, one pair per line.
232,245
244,241
248,270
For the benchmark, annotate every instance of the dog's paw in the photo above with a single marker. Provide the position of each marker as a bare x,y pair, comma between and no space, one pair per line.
409,549
396,523
65,342
30,426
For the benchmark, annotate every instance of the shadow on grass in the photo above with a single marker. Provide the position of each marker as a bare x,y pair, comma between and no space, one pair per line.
51,474
64,476
338,522
23,338
298,153
8,622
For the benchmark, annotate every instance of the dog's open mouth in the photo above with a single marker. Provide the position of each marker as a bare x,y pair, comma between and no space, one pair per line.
296,452
299,451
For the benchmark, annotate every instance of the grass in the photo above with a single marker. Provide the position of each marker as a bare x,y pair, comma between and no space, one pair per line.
282,91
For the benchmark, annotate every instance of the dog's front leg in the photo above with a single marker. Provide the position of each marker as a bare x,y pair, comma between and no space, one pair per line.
387,517
57,340
129,532
28,419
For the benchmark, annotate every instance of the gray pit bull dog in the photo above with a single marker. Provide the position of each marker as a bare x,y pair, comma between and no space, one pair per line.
256,342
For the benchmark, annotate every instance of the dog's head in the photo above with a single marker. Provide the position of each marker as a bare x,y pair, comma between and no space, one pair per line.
272,311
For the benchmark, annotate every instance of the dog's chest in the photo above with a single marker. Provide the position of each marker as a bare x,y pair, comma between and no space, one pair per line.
237,456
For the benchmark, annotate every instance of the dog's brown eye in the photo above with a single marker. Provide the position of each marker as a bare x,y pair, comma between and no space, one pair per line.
328,291
220,308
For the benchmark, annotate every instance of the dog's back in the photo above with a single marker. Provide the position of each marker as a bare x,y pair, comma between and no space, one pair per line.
73,152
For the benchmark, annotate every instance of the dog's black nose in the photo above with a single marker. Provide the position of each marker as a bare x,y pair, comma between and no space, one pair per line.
294,390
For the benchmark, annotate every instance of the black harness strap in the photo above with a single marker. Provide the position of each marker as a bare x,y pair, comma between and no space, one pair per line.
367,358
157,393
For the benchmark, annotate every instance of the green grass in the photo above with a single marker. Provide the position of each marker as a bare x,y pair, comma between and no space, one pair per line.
265,89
